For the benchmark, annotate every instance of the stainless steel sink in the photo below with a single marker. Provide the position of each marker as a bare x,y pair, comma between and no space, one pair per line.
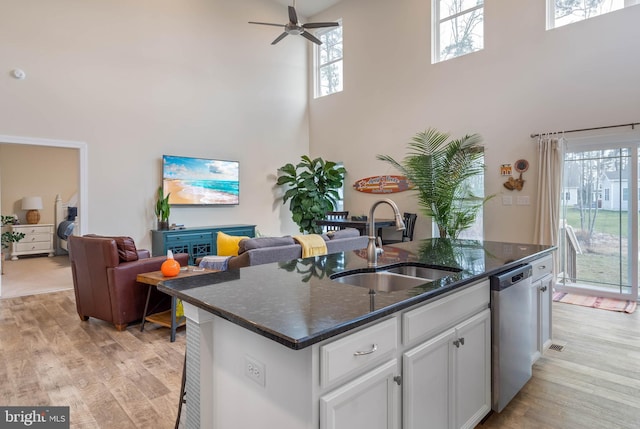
381,281
393,279
422,272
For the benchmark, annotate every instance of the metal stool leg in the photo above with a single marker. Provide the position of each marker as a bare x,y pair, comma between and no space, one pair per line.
183,394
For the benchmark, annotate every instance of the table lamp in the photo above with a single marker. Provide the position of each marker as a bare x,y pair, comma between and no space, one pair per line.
32,204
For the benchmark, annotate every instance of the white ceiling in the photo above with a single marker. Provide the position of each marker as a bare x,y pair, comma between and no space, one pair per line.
308,7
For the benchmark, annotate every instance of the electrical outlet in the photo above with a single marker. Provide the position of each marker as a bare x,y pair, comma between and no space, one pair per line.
522,200
255,370
507,200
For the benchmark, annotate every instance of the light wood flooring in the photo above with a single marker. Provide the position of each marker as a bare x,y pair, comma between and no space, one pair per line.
594,382
131,379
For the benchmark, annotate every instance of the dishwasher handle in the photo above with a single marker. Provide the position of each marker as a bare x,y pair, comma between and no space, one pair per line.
509,278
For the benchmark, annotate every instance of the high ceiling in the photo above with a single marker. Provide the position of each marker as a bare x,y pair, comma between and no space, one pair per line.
309,7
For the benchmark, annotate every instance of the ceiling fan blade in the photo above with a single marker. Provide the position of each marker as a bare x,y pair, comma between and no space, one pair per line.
266,23
320,24
293,16
280,37
311,37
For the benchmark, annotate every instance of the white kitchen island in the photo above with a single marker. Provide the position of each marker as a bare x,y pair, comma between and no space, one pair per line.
269,348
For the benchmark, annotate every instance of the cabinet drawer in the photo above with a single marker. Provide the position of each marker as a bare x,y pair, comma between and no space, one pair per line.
437,316
541,267
37,237
356,351
28,247
204,236
33,229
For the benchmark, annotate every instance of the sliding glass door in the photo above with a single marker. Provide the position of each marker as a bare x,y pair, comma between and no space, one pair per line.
599,219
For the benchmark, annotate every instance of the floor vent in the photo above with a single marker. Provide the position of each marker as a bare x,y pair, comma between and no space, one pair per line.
556,347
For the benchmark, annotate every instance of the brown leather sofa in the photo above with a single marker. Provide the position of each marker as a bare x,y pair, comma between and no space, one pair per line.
104,273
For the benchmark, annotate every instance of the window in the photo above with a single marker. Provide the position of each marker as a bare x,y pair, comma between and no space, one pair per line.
458,28
476,185
563,12
328,62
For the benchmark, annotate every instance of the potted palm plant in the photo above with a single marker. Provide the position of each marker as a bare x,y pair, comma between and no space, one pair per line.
311,190
440,170
162,209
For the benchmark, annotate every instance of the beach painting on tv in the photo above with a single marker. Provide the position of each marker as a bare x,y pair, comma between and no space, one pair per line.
200,181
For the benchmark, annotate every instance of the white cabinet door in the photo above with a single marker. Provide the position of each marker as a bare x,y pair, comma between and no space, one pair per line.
472,374
427,383
541,296
545,293
370,401
447,379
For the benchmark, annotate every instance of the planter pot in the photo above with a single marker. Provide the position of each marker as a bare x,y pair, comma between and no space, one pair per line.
163,225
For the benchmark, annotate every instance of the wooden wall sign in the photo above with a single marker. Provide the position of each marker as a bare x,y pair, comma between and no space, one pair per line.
386,184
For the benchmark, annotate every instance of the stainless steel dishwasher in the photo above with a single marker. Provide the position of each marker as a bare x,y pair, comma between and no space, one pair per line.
511,334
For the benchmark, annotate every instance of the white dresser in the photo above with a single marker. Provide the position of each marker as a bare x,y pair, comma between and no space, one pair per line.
37,239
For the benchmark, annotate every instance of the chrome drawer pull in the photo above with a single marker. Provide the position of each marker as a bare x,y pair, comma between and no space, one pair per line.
374,347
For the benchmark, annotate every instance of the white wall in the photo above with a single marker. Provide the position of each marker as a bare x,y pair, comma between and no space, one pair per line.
139,79
525,80
136,80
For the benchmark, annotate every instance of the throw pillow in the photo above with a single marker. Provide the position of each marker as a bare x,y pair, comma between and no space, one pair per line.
72,212
344,233
127,251
228,244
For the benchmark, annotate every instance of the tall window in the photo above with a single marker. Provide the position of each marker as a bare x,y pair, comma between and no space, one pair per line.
563,12
328,62
458,28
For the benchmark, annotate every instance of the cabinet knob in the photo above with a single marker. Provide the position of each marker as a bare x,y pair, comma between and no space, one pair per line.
543,289
456,343
373,348
398,380
459,342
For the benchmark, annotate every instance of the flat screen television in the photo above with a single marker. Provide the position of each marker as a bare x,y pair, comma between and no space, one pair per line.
200,181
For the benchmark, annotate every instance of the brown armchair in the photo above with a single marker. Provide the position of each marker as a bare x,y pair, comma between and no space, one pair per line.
104,273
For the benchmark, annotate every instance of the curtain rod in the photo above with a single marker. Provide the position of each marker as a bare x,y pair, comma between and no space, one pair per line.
632,125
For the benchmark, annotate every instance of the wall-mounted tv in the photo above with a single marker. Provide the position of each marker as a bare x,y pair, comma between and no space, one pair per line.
200,181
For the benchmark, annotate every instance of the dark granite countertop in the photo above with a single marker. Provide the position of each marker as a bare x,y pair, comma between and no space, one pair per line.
296,303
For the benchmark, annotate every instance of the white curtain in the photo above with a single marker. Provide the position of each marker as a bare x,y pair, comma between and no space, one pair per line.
550,162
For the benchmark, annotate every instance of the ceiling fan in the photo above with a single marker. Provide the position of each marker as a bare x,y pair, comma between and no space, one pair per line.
294,28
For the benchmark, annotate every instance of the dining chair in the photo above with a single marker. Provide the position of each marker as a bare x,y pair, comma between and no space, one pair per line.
335,216
409,225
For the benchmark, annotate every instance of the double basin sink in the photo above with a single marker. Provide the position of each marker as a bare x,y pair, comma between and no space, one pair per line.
393,279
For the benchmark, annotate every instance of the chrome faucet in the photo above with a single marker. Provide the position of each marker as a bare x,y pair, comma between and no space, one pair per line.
372,249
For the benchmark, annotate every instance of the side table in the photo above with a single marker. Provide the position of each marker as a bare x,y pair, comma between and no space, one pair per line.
166,318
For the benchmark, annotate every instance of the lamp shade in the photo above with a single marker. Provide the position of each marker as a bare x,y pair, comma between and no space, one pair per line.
32,203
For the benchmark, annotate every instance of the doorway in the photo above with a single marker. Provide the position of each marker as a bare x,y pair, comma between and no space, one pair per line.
599,217
82,187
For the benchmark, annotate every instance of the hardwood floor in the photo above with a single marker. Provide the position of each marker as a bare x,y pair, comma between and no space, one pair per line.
594,382
109,379
131,379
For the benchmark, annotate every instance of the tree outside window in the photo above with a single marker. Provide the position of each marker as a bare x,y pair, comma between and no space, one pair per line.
458,28
329,59
563,12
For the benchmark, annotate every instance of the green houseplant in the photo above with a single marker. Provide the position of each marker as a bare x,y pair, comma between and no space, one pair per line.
8,237
311,190
440,169
162,209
